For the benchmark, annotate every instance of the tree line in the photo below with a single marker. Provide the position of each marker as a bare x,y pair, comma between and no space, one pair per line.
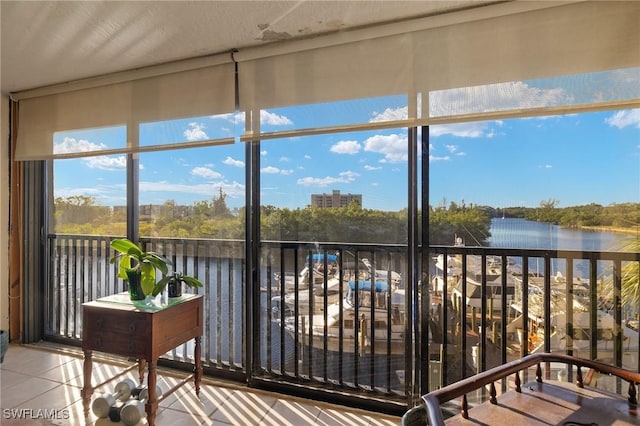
352,223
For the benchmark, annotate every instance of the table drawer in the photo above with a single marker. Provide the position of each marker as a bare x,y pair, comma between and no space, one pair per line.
124,333
117,343
124,323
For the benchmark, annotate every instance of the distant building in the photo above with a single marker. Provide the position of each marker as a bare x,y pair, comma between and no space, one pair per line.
335,199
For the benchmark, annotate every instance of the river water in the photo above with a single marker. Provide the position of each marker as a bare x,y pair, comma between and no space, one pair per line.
527,234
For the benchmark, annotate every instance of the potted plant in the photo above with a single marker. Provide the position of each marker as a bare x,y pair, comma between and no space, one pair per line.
138,267
174,283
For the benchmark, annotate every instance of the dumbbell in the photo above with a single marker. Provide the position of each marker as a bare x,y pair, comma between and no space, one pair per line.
133,410
114,411
102,404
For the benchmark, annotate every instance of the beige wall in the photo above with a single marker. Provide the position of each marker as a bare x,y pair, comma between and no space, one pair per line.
4,212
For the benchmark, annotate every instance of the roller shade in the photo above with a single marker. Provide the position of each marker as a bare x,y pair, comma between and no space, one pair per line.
370,68
41,117
191,93
501,43
573,39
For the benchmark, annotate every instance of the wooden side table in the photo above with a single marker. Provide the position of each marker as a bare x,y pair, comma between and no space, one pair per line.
117,326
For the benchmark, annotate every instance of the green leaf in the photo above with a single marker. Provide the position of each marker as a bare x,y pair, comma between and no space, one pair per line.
148,280
158,261
123,266
160,285
126,246
191,281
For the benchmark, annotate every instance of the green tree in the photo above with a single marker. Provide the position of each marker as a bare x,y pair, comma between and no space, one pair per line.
219,206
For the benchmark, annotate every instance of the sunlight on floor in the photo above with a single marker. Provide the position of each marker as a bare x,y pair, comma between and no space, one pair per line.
42,387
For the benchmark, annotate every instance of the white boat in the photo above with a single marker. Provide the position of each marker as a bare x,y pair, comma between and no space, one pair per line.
579,341
317,273
328,292
354,332
454,270
493,292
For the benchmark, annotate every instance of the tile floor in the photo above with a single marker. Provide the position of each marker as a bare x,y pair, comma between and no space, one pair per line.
42,387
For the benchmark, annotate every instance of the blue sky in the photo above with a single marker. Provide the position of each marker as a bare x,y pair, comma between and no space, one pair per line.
575,159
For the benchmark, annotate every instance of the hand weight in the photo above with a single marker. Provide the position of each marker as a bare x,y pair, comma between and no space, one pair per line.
102,404
133,410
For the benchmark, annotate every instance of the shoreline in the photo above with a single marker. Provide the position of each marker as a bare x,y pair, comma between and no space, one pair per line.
614,229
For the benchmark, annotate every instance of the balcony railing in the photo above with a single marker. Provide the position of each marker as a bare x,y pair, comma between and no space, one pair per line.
336,317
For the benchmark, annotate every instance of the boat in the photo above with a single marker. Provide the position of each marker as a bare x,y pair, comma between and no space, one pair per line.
453,270
313,267
493,286
326,292
346,326
579,340
493,292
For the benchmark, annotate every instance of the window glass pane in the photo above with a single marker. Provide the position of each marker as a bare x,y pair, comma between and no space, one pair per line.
357,111
193,193
89,140
347,187
191,129
564,91
567,171
89,195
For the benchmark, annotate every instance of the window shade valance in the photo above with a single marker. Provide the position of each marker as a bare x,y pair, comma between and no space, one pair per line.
191,93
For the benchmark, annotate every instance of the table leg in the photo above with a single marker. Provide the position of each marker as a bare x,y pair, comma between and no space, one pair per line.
152,403
197,369
142,366
87,389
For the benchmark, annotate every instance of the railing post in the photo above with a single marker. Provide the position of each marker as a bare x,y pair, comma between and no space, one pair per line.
473,318
632,394
465,407
579,381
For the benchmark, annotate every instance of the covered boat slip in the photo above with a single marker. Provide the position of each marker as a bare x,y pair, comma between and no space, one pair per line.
540,402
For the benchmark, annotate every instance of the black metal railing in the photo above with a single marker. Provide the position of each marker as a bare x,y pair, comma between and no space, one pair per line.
335,316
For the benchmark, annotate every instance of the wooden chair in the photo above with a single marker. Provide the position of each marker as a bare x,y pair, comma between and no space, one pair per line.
549,402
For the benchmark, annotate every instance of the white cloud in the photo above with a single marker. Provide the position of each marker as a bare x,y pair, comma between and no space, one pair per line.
284,159
622,119
104,162
234,117
494,97
72,145
453,149
233,162
276,171
273,119
231,189
205,172
263,153
344,177
70,192
196,132
394,147
368,167
346,147
390,114
433,158
476,129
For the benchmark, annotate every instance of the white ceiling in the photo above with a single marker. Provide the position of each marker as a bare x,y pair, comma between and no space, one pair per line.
50,42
